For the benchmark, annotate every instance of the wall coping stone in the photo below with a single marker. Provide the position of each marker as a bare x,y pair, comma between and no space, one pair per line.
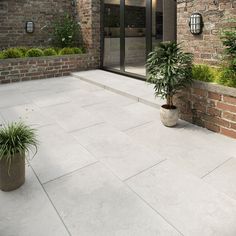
215,88
13,60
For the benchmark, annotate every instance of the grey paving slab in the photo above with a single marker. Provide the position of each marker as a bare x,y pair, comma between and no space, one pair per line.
94,202
141,110
224,178
93,142
28,113
28,211
116,150
58,84
193,206
118,116
190,147
71,116
122,85
46,98
58,154
12,97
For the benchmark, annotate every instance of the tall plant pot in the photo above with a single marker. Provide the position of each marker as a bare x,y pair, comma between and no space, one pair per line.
169,115
15,177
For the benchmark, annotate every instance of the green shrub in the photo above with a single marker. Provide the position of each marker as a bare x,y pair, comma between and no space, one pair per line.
34,52
66,32
49,52
66,51
205,73
77,50
229,41
227,77
23,50
12,53
1,55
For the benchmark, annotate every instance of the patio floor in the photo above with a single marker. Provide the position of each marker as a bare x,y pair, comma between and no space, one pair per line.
107,166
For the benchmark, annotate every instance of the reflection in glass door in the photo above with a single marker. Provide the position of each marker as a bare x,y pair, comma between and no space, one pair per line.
135,36
111,54
132,28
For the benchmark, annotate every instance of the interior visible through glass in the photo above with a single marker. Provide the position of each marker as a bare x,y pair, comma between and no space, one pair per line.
111,57
135,36
126,48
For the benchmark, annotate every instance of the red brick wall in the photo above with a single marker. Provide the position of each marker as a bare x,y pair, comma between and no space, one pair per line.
14,14
14,70
89,18
207,47
210,106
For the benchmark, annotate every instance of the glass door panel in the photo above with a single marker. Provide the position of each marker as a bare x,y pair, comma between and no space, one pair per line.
157,22
135,36
111,54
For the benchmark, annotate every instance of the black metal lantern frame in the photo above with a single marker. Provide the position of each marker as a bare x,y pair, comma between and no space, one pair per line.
196,23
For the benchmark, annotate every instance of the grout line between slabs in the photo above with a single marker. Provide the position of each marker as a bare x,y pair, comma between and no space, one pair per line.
134,127
221,164
86,127
69,173
50,200
142,199
140,172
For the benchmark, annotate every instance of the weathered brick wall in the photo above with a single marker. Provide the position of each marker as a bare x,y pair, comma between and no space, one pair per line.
14,14
15,70
210,106
89,17
206,47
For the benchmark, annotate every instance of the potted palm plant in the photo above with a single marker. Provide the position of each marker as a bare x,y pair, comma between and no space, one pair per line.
15,140
170,69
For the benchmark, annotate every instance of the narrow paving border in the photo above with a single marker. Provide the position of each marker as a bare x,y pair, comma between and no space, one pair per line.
117,91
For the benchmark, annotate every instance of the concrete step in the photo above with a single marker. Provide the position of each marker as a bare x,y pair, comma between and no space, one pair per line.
135,89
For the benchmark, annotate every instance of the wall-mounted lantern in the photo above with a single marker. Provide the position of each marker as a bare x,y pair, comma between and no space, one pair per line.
29,27
196,23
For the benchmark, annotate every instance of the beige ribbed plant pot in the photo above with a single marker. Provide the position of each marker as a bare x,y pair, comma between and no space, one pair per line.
169,117
17,173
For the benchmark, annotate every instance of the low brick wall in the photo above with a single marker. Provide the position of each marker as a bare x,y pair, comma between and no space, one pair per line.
21,69
211,106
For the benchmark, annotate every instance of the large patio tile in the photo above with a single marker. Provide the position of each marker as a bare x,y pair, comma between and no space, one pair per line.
58,84
27,211
62,84
94,202
185,145
28,113
118,116
81,97
12,97
191,205
141,110
116,150
224,178
71,116
58,154
44,98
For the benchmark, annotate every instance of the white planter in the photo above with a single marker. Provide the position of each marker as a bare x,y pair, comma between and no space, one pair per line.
169,117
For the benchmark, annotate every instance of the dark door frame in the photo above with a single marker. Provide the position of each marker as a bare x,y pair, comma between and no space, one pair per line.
122,38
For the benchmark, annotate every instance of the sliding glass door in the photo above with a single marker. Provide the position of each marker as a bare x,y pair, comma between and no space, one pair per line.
111,34
135,36
131,29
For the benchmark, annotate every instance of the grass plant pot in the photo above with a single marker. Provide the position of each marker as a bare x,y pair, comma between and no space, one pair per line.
16,139
15,177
